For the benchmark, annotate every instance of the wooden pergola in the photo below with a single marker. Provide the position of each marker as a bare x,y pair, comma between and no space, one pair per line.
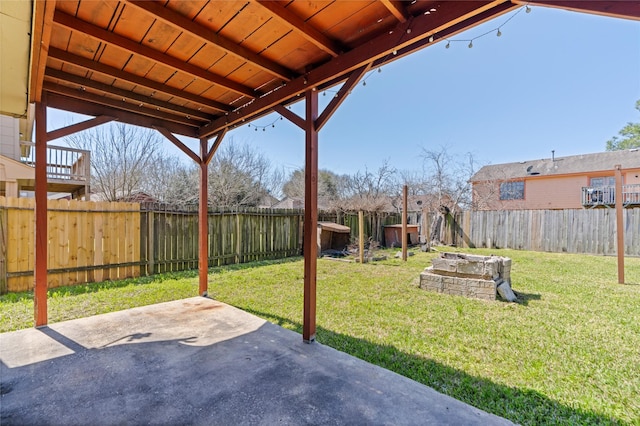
200,68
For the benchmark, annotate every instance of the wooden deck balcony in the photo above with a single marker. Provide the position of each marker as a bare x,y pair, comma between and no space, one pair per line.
68,169
595,196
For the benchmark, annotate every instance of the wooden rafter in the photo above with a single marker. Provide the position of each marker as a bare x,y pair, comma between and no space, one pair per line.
118,104
115,73
208,36
301,27
81,106
75,24
129,96
616,9
42,24
396,8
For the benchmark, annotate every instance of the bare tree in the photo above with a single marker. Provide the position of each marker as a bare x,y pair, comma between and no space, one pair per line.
239,176
370,191
447,177
120,157
173,180
329,184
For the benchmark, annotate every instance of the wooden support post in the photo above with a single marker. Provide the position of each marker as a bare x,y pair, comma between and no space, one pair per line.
619,224
361,235
40,285
405,190
310,217
203,222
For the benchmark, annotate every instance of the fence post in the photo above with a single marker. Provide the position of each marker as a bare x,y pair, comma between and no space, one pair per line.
151,255
3,248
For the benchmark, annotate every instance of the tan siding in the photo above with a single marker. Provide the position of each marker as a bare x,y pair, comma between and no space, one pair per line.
632,177
554,193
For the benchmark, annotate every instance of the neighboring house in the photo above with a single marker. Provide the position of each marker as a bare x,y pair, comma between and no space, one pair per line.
68,169
571,182
298,203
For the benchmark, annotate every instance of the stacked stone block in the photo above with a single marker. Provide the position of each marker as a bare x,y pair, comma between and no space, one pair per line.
466,275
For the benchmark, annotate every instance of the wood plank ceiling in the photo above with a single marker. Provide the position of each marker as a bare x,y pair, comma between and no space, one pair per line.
196,67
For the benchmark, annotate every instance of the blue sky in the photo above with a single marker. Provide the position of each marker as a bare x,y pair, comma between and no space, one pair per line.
554,80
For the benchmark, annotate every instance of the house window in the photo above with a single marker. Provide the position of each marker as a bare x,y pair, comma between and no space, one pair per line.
512,190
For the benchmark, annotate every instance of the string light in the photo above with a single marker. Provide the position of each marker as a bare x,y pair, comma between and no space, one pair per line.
264,128
496,30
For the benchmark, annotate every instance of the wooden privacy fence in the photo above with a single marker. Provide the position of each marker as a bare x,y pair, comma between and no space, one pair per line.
591,231
169,238
98,241
87,242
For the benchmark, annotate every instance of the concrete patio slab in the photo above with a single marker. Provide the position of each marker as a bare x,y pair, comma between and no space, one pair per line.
199,361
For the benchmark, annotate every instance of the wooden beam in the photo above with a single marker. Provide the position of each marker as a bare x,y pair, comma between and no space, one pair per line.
396,8
310,233
78,127
619,224
300,26
203,223
41,27
130,96
215,146
131,46
342,94
119,104
380,48
210,37
615,9
41,219
178,143
361,236
290,115
87,108
117,74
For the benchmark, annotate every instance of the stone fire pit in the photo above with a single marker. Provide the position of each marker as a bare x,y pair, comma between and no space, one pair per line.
469,275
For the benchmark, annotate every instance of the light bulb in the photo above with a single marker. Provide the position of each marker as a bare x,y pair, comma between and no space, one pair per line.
431,39
498,33
448,45
380,69
364,83
470,44
528,9
395,52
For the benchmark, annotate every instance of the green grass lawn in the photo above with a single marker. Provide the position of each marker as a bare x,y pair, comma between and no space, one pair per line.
568,353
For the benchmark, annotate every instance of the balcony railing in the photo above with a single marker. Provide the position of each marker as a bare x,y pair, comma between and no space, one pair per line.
593,196
63,164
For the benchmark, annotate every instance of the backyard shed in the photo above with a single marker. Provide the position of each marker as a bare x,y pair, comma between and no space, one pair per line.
332,236
393,235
